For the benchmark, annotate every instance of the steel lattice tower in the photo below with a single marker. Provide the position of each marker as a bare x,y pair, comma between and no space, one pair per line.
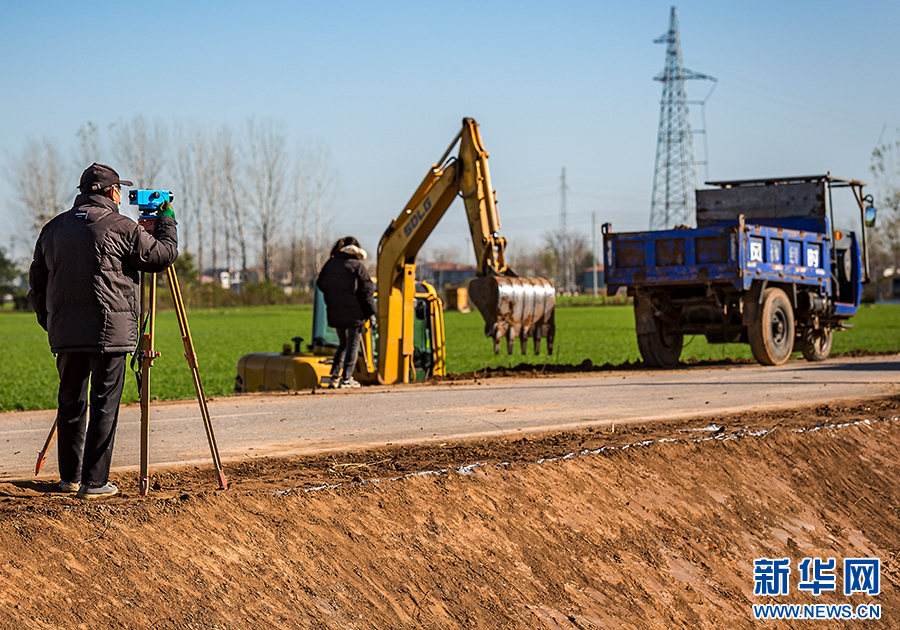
675,177
566,267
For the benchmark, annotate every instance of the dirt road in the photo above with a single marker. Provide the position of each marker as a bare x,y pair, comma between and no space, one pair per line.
304,423
638,525
653,525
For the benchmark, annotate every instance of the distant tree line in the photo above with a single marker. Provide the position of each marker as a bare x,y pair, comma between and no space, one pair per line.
246,201
884,245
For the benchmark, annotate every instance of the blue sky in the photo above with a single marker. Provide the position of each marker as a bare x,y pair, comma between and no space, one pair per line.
803,88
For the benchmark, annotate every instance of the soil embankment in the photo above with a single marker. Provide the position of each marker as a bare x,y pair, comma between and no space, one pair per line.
648,526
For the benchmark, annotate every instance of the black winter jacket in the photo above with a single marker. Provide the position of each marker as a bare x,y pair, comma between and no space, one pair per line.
348,290
84,276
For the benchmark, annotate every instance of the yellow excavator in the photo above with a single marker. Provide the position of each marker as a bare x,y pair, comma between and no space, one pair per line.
408,343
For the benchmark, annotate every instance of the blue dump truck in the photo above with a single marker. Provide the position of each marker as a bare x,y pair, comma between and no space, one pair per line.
764,266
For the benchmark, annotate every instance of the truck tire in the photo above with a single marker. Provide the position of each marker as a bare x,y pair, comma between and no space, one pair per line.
817,343
771,336
660,348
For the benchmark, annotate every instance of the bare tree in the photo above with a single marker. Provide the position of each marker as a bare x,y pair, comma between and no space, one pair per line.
299,185
89,148
317,198
188,189
267,164
563,252
205,186
209,177
230,188
140,150
450,254
885,243
206,170
43,185
581,257
529,261
232,195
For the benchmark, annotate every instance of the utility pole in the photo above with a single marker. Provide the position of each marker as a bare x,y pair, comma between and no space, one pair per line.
594,250
566,279
675,176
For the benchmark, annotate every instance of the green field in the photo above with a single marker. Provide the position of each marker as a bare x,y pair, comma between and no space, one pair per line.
602,334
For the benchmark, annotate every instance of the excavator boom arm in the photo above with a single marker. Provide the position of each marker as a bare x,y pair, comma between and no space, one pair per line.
481,202
512,307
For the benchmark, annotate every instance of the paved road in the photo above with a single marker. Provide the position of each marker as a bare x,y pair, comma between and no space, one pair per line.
258,425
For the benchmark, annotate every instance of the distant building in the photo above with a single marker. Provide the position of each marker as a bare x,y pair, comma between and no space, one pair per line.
440,274
254,274
589,278
226,278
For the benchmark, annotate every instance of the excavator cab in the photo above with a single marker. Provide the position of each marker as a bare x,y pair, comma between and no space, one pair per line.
429,358
426,340
324,337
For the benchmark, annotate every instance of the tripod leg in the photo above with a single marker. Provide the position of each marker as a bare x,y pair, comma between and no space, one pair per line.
191,357
42,454
148,309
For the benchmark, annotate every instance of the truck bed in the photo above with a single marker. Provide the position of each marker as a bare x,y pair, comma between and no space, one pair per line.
734,254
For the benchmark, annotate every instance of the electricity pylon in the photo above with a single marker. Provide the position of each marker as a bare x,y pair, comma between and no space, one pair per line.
566,280
675,177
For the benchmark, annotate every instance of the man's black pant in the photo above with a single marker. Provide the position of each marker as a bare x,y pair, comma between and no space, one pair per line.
86,441
346,353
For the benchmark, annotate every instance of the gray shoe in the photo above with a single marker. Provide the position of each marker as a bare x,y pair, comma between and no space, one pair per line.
89,492
68,486
348,382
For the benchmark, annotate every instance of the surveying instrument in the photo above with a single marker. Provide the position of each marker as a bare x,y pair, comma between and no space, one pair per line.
149,203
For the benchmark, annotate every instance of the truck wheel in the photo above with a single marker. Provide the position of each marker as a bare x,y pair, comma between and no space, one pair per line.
771,336
661,348
817,344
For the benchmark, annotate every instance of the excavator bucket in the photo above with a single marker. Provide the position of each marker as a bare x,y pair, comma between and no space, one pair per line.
515,308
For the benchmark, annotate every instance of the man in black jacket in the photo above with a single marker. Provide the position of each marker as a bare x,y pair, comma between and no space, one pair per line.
349,302
84,281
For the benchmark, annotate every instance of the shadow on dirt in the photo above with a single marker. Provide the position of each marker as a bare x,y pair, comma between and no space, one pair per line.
27,488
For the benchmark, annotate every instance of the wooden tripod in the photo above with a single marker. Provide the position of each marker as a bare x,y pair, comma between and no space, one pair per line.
146,354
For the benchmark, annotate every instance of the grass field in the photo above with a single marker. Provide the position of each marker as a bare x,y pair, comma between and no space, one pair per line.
603,334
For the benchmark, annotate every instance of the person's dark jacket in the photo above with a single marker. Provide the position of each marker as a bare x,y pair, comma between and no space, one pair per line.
348,289
84,276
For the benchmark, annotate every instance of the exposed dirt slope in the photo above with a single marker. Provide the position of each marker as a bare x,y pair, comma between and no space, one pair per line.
659,529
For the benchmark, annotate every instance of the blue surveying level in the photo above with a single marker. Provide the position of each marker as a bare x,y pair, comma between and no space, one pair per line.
148,202
149,199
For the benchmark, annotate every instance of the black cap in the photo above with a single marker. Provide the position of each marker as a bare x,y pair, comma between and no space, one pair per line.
96,177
